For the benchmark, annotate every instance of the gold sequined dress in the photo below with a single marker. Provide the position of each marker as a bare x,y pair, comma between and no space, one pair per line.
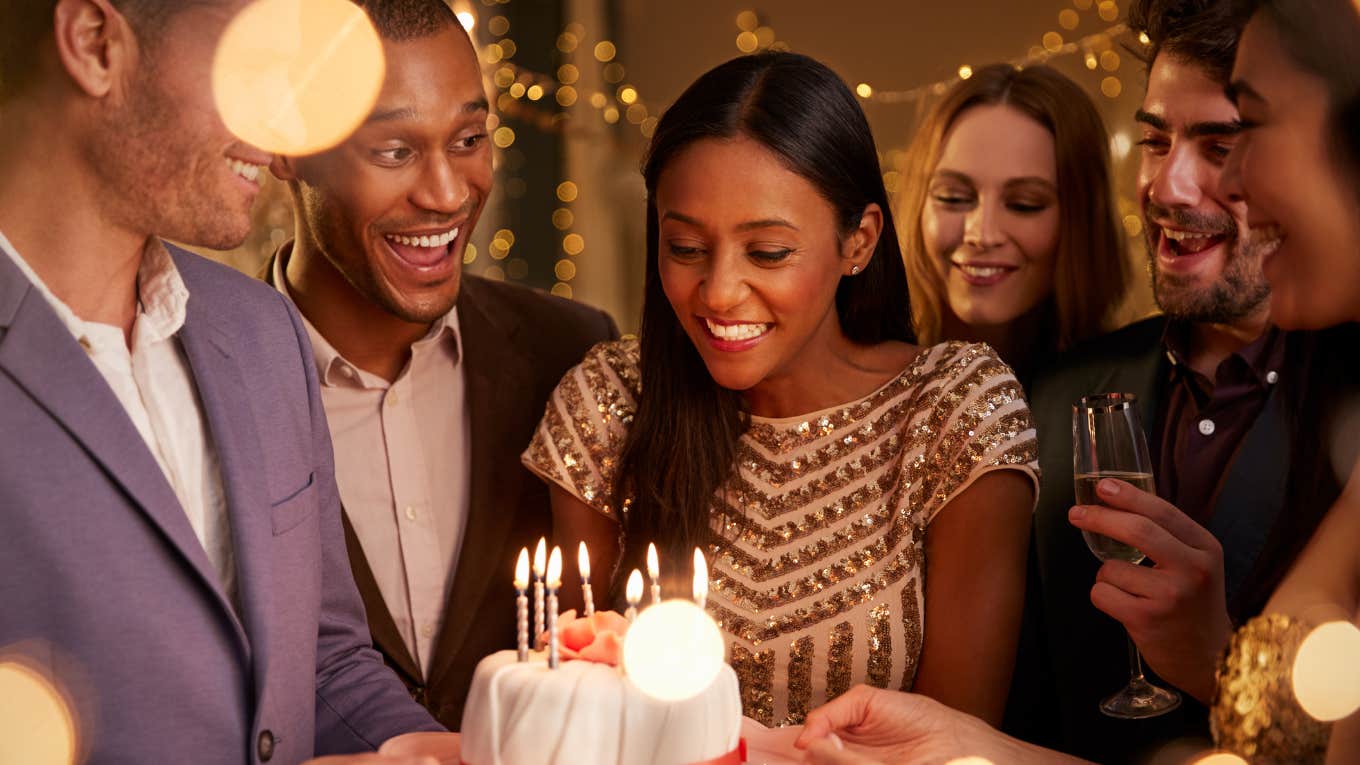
818,576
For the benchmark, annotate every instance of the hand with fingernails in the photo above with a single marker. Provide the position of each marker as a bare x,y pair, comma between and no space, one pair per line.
1176,610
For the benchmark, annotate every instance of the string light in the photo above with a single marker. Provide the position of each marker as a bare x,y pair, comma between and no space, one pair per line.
965,72
1053,42
863,90
605,51
1068,19
1111,87
1109,61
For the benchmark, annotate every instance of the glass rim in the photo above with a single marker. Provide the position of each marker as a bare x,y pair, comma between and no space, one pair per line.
1105,402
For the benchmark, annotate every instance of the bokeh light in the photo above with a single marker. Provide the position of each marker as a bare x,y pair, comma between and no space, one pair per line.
1327,671
864,90
1109,61
673,651
1111,87
297,77
469,21
573,244
566,191
37,726
747,21
1068,19
1053,42
1220,758
747,42
965,72
565,270
605,51
1108,10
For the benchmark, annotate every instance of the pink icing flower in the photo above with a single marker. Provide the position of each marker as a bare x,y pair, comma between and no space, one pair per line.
598,638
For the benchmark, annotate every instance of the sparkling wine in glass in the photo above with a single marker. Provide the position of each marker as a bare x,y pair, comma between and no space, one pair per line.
1108,442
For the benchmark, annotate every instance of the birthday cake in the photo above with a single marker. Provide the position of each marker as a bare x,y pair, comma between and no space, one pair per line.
587,710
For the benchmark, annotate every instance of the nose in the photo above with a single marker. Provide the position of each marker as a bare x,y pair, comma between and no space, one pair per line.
1178,182
441,188
982,226
724,285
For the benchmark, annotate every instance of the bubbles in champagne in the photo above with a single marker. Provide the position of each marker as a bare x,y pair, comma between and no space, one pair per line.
1102,546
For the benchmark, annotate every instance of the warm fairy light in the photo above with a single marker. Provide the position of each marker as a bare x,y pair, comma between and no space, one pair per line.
508,47
653,566
613,73
1068,19
562,219
1091,62
1220,758
36,723
561,290
598,100
573,244
1053,42
1120,145
747,21
611,115
1133,225
633,591
555,568
503,137
540,557
965,72
566,95
605,51
469,254
747,42
1109,61
566,191
565,270
522,569
764,37
636,114
1108,10
568,74
534,92
1111,87
700,577
1144,39
673,651
628,94
517,90
498,25
864,90
1327,671
468,20
583,561
297,76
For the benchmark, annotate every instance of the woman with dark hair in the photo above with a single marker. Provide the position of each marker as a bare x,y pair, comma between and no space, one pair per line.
1008,218
864,502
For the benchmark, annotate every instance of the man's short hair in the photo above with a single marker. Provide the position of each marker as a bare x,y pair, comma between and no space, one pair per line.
1200,32
27,26
401,20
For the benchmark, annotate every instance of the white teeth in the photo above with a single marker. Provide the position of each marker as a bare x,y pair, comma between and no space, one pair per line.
982,272
1181,236
736,331
245,169
438,240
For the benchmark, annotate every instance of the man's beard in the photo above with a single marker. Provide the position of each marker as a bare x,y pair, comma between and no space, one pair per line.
1238,292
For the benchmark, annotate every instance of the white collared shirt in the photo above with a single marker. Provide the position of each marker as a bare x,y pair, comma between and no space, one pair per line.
153,382
402,464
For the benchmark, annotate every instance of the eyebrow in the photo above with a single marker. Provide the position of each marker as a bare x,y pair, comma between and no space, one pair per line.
1194,129
408,112
747,226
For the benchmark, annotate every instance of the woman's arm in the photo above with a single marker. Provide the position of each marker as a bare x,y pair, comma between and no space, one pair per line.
1324,583
975,589
574,522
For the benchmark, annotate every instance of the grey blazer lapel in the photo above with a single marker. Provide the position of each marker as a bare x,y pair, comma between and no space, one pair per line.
231,426
38,352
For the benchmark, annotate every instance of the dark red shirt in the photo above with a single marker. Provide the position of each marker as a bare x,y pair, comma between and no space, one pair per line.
1202,421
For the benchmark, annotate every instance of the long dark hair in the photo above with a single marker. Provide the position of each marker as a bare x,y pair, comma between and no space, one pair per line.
1320,37
682,444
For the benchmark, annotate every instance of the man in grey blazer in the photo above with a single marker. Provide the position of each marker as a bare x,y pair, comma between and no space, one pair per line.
170,537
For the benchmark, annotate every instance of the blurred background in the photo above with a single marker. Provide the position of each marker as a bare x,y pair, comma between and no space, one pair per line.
577,86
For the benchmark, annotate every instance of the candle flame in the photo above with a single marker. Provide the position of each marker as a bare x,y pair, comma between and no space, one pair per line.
634,589
583,562
653,568
522,569
555,568
540,556
700,575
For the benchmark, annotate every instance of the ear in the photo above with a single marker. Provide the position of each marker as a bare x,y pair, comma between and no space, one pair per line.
283,168
95,43
859,246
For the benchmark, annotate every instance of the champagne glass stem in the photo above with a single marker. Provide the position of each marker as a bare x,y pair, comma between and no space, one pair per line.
1135,661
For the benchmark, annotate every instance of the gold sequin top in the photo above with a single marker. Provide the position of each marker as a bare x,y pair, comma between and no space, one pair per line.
817,581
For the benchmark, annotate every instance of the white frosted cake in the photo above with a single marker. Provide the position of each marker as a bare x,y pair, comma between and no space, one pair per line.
588,712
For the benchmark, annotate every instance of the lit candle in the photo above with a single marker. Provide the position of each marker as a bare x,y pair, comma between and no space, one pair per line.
522,604
654,572
700,579
540,560
583,564
554,581
633,592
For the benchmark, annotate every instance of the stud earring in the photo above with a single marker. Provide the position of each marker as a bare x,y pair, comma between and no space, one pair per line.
854,270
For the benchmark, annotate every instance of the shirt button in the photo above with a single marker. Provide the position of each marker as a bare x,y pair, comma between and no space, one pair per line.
427,631
1272,377
1206,427
410,513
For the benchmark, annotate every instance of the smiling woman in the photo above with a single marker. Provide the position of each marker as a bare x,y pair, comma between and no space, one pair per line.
852,488
1010,234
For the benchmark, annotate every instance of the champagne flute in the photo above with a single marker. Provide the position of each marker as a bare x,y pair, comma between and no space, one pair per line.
1108,442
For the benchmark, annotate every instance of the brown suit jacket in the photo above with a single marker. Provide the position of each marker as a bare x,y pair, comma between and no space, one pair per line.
517,344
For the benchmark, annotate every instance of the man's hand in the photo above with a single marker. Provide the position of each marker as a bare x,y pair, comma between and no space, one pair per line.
905,729
1175,611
